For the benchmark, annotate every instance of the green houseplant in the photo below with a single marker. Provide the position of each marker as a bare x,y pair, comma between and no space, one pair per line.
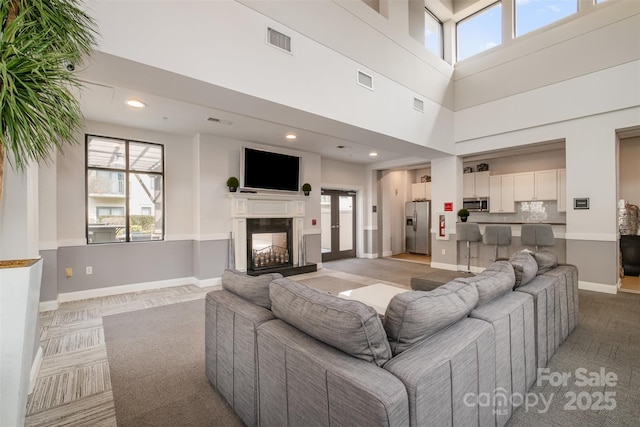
233,184
463,214
41,42
306,188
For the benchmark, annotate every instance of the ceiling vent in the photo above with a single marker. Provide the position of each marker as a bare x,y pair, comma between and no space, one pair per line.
216,120
418,104
365,80
279,40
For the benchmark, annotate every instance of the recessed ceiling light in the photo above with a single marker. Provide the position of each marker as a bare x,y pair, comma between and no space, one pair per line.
373,154
291,136
135,103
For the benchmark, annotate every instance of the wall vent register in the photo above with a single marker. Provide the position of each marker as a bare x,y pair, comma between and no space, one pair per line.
418,104
365,80
279,40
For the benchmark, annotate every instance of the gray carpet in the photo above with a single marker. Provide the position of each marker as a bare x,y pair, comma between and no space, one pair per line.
384,269
156,359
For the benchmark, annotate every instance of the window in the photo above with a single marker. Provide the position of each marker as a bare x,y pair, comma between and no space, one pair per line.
125,196
533,14
480,31
433,33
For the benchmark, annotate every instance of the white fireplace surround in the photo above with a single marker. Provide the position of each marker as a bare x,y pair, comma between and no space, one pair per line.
259,205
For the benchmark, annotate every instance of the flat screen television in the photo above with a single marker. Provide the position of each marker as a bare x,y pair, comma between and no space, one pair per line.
265,170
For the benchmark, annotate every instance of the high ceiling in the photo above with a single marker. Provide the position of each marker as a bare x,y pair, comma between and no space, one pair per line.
183,106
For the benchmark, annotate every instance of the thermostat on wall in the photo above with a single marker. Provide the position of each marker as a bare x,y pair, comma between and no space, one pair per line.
581,203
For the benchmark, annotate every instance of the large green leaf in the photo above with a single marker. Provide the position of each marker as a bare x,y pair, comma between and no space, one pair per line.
38,112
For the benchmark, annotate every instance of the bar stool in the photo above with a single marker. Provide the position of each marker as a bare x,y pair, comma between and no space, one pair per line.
498,235
468,232
537,235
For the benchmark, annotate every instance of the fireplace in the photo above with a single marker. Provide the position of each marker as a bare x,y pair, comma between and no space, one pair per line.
265,223
269,243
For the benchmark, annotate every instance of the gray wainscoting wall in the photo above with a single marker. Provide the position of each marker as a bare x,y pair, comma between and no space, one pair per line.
210,258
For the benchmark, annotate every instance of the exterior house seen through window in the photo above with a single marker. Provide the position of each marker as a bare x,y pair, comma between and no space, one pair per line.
124,194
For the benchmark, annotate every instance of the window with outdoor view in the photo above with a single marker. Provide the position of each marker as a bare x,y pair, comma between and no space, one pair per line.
433,33
533,14
125,190
479,32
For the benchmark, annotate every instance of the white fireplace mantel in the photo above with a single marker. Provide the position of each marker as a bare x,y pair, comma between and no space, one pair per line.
261,205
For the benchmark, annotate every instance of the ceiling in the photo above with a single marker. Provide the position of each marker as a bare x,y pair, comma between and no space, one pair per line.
180,105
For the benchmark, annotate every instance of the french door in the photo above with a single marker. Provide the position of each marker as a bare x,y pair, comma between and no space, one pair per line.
338,210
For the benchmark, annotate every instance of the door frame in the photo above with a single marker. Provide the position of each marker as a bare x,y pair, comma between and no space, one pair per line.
337,254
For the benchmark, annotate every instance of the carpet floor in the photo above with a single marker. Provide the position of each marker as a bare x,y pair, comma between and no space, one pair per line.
156,359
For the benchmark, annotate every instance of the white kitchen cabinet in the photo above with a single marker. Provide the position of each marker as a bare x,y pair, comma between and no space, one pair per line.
475,184
501,196
421,191
562,190
538,185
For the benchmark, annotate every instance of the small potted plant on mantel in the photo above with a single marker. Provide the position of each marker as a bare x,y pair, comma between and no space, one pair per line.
233,184
306,188
463,214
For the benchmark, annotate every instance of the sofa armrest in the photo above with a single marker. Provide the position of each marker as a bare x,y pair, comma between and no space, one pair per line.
445,373
303,379
231,350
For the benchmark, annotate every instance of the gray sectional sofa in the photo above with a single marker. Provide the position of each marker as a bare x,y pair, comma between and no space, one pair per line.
283,354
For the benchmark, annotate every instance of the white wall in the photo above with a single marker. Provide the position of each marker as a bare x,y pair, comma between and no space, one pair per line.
401,68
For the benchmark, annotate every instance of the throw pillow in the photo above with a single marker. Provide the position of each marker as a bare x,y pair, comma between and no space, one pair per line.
347,325
497,279
414,316
525,267
254,289
546,261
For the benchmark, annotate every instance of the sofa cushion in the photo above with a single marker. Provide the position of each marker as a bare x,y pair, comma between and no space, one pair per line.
254,289
414,316
347,325
546,261
525,267
494,281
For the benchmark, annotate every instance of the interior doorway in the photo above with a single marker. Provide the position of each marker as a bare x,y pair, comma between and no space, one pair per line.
338,210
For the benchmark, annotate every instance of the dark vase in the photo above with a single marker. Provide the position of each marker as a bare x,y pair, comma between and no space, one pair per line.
306,193
233,189
463,218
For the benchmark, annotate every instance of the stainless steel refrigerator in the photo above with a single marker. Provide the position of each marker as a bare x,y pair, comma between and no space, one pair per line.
417,225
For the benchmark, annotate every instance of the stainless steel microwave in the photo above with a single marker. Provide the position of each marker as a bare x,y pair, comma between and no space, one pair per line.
476,204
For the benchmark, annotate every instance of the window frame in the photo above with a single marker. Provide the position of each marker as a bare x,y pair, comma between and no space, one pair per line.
127,172
441,28
548,24
466,18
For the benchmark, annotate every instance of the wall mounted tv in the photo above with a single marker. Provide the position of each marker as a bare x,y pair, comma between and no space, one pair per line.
265,170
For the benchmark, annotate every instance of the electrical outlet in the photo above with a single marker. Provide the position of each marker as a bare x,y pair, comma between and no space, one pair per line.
89,270
444,252
68,271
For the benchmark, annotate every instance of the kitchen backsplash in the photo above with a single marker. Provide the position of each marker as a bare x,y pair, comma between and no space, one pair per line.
542,211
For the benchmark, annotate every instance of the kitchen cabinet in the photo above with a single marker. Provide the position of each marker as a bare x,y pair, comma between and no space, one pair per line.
538,185
421,191
562,190
501,196
475,184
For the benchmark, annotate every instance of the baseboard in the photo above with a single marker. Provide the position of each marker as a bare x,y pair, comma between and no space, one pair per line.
35,369
208,282
48,305
597,287
387,253
370,255
125,289
443,266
